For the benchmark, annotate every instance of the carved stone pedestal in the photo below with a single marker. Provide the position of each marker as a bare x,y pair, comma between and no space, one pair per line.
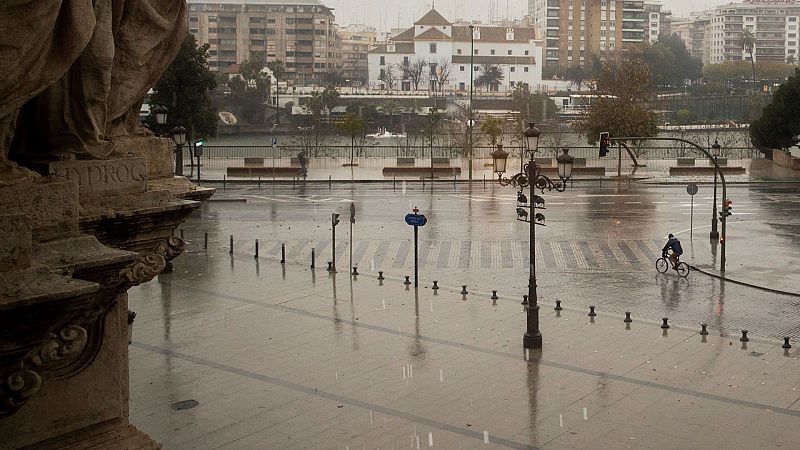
73,243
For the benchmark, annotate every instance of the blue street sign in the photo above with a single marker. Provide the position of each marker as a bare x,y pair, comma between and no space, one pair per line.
274,141
417,220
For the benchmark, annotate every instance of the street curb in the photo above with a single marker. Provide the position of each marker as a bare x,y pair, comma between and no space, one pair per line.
742,283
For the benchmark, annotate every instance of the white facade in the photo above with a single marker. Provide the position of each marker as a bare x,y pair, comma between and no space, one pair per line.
515,50
774,23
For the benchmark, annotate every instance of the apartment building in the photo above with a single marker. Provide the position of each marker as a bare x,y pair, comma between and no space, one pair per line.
448,50
356,41
696,34
657,21
774,23
576,29
301,33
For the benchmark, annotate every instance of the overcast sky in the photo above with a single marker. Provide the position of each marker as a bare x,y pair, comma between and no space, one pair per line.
386,14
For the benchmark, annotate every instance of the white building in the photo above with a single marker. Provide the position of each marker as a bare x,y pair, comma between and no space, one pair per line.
774,23
446,50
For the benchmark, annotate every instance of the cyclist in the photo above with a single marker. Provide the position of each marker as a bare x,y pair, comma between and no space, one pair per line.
673,244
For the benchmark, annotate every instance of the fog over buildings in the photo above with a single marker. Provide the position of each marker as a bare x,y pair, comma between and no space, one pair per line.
385,15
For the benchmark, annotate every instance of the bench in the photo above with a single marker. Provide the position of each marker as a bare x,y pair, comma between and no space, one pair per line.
388,171
544,161
722,161
552,172
440,162
405,161
705,170
686,161
579,162
253,162
261,171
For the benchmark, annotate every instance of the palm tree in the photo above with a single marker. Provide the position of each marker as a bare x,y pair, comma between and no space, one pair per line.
747,41
791,60
491,76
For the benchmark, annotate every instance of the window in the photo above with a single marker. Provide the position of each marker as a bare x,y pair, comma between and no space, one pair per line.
383,61
525,69
513,69
509,52
476,51
461,68
458,51
492,52
527,52
433,48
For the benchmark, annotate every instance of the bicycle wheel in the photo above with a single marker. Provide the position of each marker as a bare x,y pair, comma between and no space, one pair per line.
662,265
683,269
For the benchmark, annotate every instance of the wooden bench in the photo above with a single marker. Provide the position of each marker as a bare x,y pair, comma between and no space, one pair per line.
441,162
544,162
722,161
262,171
686,161
579,162
552,172
705,170
404,162
253,162
422,171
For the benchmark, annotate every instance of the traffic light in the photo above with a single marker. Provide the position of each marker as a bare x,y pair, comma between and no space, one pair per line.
726,209
334,219
605,141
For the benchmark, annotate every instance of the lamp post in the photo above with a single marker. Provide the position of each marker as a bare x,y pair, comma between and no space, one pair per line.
471,122
714,235
531,177
161,115
179,136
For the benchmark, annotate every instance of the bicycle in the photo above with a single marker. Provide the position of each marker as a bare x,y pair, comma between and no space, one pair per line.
662,265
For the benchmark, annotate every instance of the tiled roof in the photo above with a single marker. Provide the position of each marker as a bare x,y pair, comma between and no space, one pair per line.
494,34
401,47
432,18
405,36
433,34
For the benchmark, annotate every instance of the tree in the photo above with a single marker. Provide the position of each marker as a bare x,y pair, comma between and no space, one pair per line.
685,117
388,76
491,76
687,66
623,89
277,68
353,126
534,107
413,71
250,93
442,74
747,41
334,77
575,75
183,89
791,60
728,71
492,127
779,125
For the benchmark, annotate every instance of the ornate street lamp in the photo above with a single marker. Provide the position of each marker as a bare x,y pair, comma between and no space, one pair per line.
161,115
531,177
714,235
179,136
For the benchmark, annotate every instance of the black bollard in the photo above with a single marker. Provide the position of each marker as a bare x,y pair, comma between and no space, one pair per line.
256,255
435,285
224,179
464,289
330,266
664,325
703,331
355,270
591,311
330,186
380,275
558,306
283,253
786,343
408,281
181,233
524,299
205,240
312,258
744,337
231,251
494,295
259,183
628,317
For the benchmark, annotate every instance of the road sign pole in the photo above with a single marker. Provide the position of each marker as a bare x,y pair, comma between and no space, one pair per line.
333,242
416,271
691,219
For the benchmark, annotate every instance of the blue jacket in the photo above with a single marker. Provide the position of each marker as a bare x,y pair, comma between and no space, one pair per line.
673,244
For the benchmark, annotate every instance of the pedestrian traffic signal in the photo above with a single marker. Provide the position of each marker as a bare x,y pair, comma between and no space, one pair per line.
334,219
605,141
726,209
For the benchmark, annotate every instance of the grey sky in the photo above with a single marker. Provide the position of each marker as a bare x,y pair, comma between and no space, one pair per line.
386,14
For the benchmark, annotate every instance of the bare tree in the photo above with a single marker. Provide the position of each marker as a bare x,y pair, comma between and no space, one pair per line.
388,76
413,71
442,73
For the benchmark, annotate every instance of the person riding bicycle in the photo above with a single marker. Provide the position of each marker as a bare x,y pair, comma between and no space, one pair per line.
673,244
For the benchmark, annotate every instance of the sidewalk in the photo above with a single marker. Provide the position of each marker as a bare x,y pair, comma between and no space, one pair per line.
278,356
757,254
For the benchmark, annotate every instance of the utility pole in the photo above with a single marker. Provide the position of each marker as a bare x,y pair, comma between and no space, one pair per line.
470,124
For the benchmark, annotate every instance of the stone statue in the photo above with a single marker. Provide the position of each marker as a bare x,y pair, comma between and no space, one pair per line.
73,74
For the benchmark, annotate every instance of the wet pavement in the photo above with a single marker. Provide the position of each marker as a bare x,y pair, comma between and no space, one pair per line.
280,356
